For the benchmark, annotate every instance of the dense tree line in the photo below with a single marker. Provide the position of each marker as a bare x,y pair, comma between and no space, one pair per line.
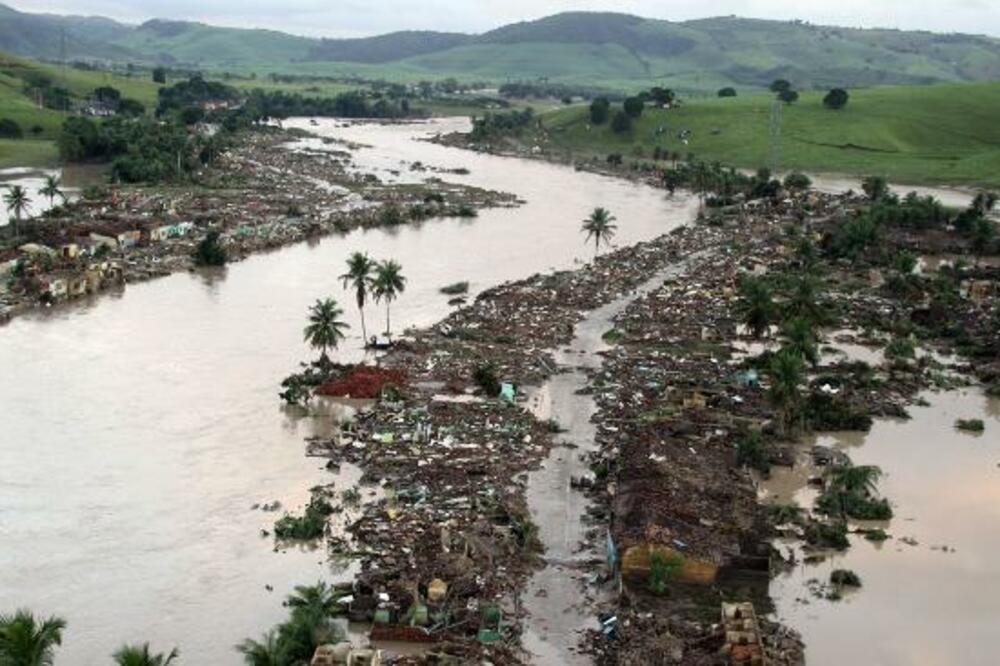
539,89
140,149
493,124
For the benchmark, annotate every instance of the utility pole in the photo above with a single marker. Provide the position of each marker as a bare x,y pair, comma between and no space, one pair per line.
775,137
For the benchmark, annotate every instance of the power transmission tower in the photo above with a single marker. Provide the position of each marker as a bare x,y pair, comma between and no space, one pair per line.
775,137
62,50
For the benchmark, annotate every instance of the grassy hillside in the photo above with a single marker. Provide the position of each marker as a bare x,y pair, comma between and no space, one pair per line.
913,134
17,104
201,45
606,50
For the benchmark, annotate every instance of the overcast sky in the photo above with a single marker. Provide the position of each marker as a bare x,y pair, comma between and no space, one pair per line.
348,18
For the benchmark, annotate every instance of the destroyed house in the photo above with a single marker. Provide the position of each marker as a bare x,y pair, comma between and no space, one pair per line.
680,498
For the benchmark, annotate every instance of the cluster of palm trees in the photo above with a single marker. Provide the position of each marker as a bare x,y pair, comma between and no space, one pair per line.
29,641
381,281
18,202
295,640
601,227
801,316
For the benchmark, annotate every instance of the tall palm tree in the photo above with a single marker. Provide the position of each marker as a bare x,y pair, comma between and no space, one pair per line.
756,306
800,337
601,227
17,203
389,283
983,233
261,653
27,641
805,300
139,655
51,189
787,373
325,328
359,276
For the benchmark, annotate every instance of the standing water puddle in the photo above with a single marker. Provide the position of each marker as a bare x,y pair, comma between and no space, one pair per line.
558,602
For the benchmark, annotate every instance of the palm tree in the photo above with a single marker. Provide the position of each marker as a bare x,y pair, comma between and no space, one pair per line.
859,479
325,329
983,233
319,599
139,655
359,276
17,203
756,306
51,189
389,283
849,481
26,641
985,202
800,337
784,394
261,653
804,301
601,227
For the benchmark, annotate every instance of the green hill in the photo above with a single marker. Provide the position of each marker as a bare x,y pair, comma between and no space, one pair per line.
608,50
912,134
19,78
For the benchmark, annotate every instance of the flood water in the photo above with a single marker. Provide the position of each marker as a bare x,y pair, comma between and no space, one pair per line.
137,430
930,600
558,597
74,179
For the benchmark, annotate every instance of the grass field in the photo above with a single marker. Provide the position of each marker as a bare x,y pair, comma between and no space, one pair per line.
38,149
943,134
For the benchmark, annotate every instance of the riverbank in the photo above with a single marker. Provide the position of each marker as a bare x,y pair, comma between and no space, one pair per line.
639,168
266,192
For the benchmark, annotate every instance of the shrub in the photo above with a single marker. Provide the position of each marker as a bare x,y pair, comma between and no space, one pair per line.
9,129
621,123
900,349
970,425
310,525
845,578
456,288
797,181
750,452
836,99
727,92
633,106
662,570
485,376
210,251
600,110
827,535
785,513
831,413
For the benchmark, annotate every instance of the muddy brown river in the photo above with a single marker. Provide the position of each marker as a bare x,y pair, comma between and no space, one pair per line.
137,430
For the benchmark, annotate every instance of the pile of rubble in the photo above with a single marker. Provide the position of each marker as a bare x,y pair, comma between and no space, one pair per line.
261,194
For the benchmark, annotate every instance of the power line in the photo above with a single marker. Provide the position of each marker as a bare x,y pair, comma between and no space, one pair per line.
775,137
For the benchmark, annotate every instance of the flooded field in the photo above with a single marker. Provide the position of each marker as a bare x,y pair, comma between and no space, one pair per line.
139,429
929,594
